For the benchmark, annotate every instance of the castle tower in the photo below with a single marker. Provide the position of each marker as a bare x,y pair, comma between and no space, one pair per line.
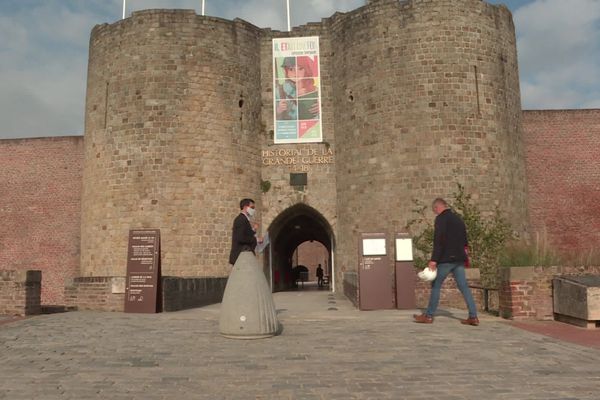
170,138
427,96
416,97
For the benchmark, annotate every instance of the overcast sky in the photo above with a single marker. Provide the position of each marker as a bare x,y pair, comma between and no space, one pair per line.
44,47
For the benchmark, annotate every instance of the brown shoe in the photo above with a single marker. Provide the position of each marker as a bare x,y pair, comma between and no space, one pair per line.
423,319
470,321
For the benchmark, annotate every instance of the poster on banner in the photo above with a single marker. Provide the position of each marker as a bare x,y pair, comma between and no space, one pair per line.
297,90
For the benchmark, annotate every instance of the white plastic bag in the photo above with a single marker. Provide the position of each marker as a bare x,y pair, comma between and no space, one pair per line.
427,275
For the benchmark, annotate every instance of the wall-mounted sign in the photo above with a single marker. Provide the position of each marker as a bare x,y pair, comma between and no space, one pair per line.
297,90
298,159
143,271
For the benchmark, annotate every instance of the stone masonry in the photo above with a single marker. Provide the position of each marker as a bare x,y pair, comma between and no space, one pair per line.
179,120
416,96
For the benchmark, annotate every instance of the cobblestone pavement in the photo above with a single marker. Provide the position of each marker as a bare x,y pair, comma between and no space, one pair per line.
328,350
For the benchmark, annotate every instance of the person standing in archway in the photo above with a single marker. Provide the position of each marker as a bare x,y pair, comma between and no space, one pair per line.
448,256
243,237
320,275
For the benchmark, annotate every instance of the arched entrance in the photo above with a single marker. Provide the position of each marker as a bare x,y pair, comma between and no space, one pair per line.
294,226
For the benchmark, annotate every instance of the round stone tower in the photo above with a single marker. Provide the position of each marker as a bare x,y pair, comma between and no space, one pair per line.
427,96
170,138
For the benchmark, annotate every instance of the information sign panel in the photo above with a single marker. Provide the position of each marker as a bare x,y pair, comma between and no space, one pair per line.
143,271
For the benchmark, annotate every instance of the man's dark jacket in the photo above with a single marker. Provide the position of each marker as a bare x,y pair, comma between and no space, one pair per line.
242,238
449,238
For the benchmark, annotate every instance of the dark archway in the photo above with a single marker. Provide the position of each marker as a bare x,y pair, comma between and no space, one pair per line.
294,226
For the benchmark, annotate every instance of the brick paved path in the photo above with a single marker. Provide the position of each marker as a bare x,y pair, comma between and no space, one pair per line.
327,350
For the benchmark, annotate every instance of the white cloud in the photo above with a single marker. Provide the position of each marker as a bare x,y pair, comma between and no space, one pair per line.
272,13
44,45
559,53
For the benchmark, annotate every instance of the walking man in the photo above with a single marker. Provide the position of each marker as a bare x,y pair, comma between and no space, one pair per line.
448,256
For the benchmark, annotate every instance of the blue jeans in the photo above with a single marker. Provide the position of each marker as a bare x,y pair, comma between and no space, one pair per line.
458,270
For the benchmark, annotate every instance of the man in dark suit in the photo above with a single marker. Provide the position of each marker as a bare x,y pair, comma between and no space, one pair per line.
243,236
448,256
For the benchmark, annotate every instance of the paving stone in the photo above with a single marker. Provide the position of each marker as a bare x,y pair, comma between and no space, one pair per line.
320,355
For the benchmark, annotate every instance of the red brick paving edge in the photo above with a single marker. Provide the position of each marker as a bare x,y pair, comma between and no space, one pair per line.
562,331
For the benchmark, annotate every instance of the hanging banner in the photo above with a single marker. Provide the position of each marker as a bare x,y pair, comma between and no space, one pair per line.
297,90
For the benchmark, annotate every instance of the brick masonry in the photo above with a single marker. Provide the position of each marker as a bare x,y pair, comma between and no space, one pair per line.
99,293
20,292
526,292
40,209
563,173
311,254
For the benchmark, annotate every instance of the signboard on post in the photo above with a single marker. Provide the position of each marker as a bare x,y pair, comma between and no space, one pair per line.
374,274
297,90
143,271
405,273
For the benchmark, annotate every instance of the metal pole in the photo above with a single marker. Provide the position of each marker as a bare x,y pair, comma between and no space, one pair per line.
332,277
203,4
288,15
271,266
124,7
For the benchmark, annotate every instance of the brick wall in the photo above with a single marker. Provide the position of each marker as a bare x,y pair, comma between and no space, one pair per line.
526,292
99,293
563,174
40,208
310,254
20,292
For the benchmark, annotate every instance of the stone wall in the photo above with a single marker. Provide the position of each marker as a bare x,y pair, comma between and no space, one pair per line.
319,193
183,293
526,292
563,171
40,209
350,287
179,119
175,293
439,104
171,138
20,292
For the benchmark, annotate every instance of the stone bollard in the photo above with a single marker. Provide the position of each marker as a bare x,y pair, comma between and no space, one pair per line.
247,310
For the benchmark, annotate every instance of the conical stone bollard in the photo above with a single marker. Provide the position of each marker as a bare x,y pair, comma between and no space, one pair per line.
247,310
